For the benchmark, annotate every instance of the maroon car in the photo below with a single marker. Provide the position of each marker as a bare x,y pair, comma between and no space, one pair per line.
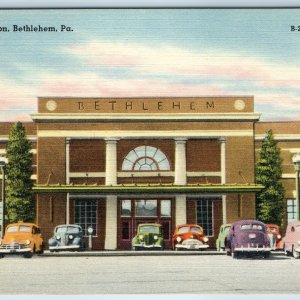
248,237
291,241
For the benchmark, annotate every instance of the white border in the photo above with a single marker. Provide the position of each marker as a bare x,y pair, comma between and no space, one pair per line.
144,4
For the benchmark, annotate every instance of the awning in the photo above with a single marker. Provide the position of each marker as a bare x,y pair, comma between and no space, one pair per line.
148,188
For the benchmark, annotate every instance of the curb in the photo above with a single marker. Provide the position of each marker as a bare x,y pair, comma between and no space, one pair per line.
136,253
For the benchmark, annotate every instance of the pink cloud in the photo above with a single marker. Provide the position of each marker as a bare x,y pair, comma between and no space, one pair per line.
92,85
179,61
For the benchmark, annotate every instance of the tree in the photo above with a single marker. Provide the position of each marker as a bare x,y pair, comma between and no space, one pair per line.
270,201
19,195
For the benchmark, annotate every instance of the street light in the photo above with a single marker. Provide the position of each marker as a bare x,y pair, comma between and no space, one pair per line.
296,161
3,163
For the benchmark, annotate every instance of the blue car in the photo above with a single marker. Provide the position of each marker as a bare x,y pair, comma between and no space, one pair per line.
67,238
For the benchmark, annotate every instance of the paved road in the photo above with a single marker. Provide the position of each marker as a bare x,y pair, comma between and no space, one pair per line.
149,275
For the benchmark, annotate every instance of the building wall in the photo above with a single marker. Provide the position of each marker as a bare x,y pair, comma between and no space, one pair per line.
87,143
51,159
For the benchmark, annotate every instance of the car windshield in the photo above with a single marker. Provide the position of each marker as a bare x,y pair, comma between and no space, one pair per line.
12,229
149,228
251,226
271,229
24,228
67,229
226,229
184,229
196,229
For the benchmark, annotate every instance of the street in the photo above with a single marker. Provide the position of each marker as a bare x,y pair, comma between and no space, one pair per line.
192,274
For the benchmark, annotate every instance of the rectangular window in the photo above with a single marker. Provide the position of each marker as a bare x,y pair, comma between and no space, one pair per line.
165,208
86,215
125,230
126,208
146,208
291,210
205,215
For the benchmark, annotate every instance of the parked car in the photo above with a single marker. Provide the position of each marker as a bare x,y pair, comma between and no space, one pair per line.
148,236
274,236
291,241
68,237
248,237
23,239
220,242
189,237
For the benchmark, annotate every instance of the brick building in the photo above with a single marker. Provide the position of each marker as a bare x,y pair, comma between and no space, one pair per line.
114,163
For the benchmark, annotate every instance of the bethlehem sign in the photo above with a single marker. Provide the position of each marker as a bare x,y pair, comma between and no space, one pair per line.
146,105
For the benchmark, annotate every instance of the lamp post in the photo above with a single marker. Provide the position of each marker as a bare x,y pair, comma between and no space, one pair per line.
3,163
296,161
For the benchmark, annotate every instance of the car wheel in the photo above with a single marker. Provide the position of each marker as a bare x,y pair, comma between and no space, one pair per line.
28,255
266,255
41,249
296,254
286,253
1,256
234,254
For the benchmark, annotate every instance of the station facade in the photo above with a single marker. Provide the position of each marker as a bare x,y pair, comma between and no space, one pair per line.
113,163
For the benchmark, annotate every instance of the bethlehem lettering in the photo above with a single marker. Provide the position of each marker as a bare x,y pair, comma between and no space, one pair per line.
39,28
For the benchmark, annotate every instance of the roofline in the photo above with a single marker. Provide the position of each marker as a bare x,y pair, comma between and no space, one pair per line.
149,189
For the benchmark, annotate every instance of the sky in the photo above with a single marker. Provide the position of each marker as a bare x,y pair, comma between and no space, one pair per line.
151,52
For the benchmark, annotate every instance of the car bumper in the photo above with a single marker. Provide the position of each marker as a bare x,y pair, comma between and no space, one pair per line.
67,247
15,251
253,250
297,249
191,246
147,246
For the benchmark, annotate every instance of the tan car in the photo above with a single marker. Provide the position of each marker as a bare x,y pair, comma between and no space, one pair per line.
22,239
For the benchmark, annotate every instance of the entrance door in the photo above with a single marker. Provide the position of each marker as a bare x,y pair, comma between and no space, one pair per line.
138,211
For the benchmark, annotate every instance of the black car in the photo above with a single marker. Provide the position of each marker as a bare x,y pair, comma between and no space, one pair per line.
67,238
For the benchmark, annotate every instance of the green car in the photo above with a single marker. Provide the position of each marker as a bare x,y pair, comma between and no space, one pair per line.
220,243
149,236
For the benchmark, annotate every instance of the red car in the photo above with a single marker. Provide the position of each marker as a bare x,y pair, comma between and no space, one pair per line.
189,237
274,235
291,241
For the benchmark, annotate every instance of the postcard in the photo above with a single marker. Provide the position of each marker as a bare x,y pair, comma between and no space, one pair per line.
150,151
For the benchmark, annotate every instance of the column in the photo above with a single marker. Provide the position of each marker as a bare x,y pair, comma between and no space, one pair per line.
180,210
111,223
180,161
111,162
68,179
222,141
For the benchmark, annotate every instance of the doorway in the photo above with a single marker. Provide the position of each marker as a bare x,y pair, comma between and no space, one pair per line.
137,211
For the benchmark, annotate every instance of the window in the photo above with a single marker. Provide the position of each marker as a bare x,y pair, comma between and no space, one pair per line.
146,158
146,208
125,230
253,226
149,228
196,229
12,229
24,228
126,208
291,210
205,215
184,229
165,208
86,215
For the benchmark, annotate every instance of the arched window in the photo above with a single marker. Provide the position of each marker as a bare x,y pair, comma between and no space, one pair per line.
145,158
